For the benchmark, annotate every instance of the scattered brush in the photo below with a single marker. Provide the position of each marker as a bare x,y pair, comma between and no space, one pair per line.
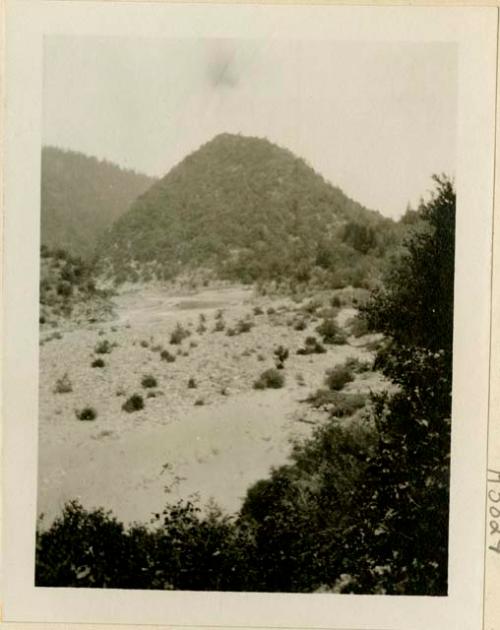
338,377
331,332
133,403
63,385
86,414
270,379
149,381
179,334
312,346
103,347
280,356
166,356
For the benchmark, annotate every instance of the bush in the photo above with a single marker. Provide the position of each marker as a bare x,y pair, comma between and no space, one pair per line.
357,326
179,334
244,326
312,346
87,413
166,356
331,332
192,383
219,325
103,347
133,403
149,381
281,355
337,377
300,324
270,379
339,404
357,366
98,363
64,289
257,310
63,385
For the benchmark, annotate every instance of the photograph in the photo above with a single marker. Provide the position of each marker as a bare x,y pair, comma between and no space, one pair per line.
246,328
246,315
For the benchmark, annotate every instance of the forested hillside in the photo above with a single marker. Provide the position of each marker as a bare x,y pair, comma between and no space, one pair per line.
248,210
81,196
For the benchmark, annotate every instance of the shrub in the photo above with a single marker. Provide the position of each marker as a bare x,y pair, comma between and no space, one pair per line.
331,332
192,383
257,310
149,381
63,385
166,356
339,404
219,325
358,366
312,346
357,326
199,402
144,343
64,288
270,379
300,324
337,377
230,332
244,326
103,347
98,363
179,334
281,355
336,301
87,413
133,403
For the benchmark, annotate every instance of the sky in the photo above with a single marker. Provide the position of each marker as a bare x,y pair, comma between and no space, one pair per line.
375,119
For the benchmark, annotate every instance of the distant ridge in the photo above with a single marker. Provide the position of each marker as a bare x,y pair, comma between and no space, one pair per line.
248,210
81,196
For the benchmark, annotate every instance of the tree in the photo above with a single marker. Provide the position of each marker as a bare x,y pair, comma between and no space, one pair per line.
398,542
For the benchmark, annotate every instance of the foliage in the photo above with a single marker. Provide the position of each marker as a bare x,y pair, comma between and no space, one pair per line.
399,543
336,378
98,363
81,197
149,381
270,379
179,334
63,385
86,414
312,346
331,332
167,356
133,403
249,211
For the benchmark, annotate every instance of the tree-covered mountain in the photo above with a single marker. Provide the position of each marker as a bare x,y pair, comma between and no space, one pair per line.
81,196
247,209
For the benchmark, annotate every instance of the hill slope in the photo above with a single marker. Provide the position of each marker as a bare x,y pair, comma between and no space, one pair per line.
250,210
81,197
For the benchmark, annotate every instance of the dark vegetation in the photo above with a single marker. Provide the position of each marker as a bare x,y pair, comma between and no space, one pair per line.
68,289
81,197
270,379
133,403
248,210
362,506
87,413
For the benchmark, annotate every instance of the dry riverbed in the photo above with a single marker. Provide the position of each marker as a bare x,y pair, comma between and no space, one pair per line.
211,440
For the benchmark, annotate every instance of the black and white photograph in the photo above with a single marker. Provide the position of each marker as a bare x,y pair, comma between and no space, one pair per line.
247,329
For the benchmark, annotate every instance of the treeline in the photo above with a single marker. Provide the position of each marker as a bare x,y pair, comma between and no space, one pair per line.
362,507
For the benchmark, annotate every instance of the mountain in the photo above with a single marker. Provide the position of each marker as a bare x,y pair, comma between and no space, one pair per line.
247,209
81,196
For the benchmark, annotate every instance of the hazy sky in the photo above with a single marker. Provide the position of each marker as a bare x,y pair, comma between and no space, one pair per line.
374,119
